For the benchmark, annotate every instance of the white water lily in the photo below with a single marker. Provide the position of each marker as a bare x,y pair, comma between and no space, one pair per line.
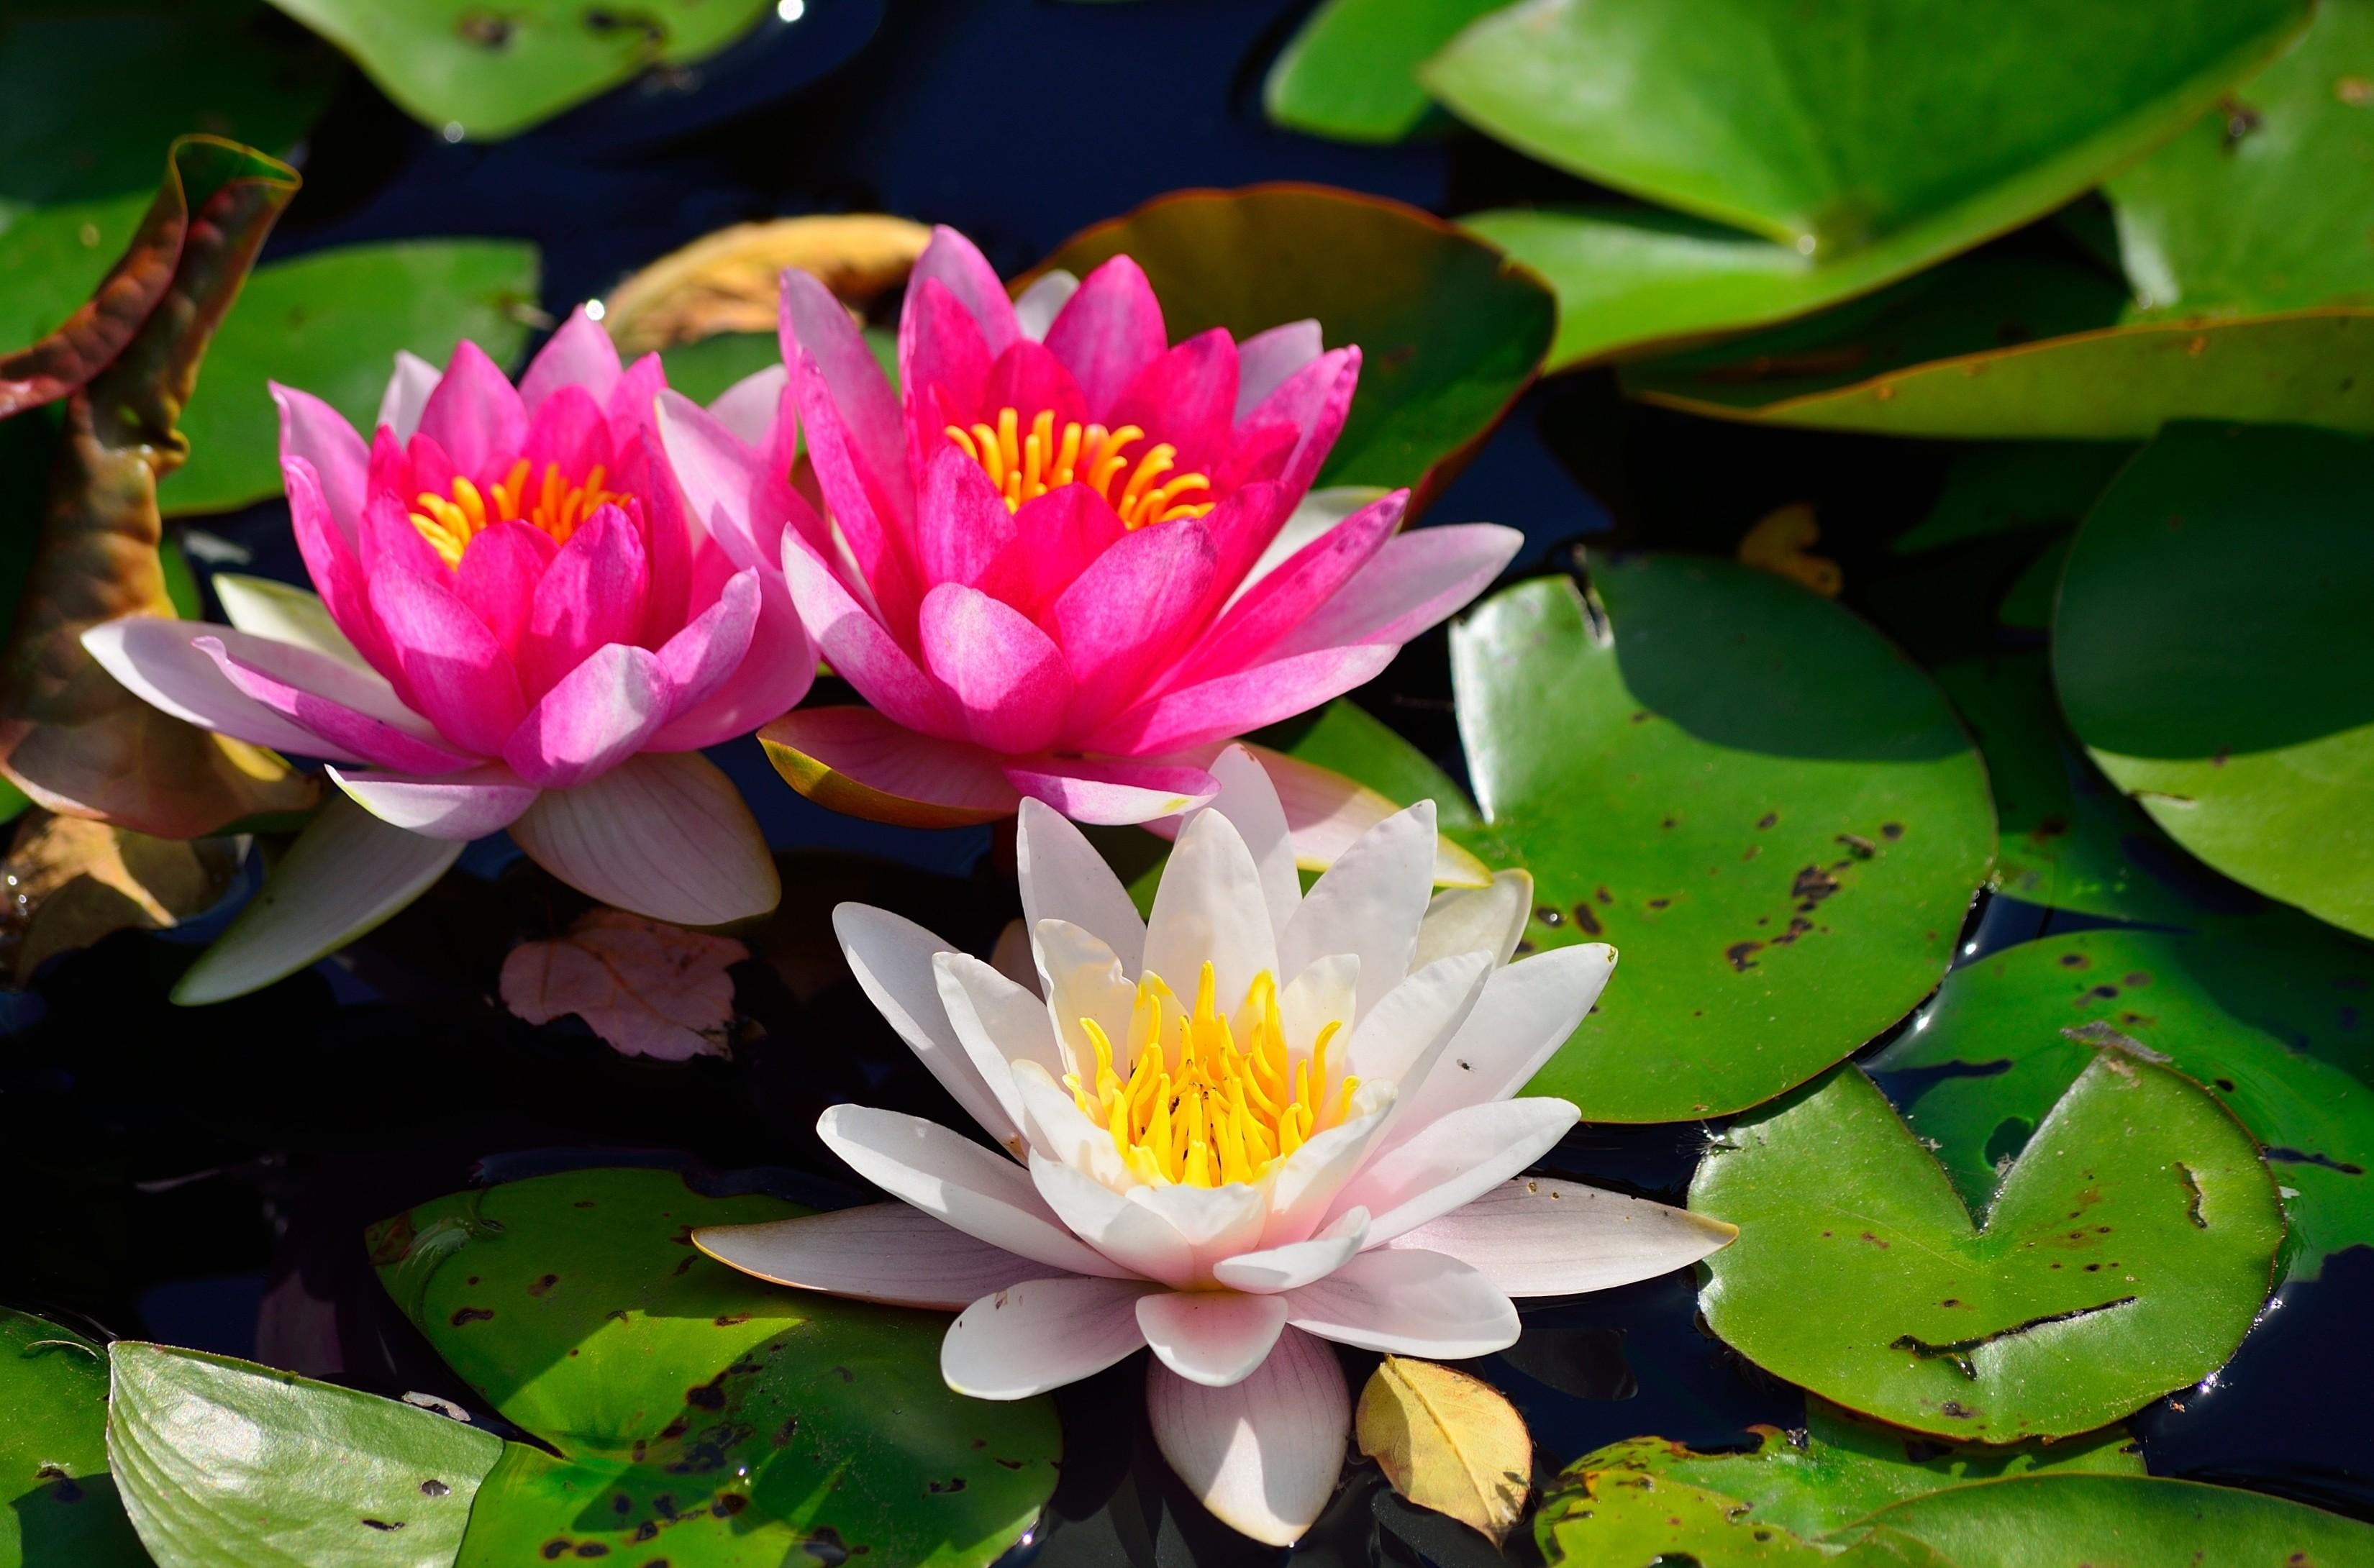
1259,1121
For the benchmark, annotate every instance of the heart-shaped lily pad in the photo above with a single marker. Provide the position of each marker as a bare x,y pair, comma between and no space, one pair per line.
58,1502
1620,1519
2124,1253
2210,649
1449,333
1768,811
2053,1521
701,1416
1351,73
2263,1013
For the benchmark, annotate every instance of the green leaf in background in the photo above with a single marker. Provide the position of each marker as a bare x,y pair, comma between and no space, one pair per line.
2013,486
495,71
1997,348
2261,1012
2123,1254
1769,811
2210,648
58,1506
331,324
225,1464
1620,1519
702,1416
2054,1521
1351,73
1449,333
2261,207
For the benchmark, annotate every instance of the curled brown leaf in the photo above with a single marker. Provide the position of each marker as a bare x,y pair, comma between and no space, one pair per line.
728,281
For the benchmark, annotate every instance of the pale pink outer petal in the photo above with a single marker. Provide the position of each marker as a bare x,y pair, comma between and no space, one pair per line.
1210,908
1111,791
1268,613
1041,1334
890,1253
578,354
1370,902
1305,1187
1272,1269
1245,700
1217,1221
1401,1037
1134,1237
960,267
350,708
997,1023
1407,1302
1527,1011
1541,1237
1263,1454
872,750
1452,1161
407,394
1215,1338
594,718
664,834
454,806
834,375
1064,878
1007,676
155,659
957,1182
1328,813
1265,359
1416,580
748,408
1036,306
1315,399
1109,330
860,649
719,477
895,962
311,430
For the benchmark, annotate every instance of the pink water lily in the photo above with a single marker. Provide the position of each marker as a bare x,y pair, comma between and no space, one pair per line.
519,625
1255,1122
1037,561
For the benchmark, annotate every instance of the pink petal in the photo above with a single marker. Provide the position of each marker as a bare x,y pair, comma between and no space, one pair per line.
390,541
1315,400
963,532
1286,597
568,432
1234,704
776,669
1006,673
1241,527
353,712
890,1253
1409,1303
718,476
453,807
1541,1237
1416,580
1124,620
591,596
475,415
154,658
750,406
1058,536
1215,1338
671,544
1188,398
1109,330
859,649
1452,1162
498,576
1263,1454
629,408
943,362
701,657
405,396
664,834
313,431
578,354
837,380
1028,378
332,563
1112,791
1041,1334
1265,359
595,718
864,763
952,261
454,672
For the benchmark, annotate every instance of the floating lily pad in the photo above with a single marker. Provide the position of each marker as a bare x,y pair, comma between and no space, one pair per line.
2124,1253
1449,333
1768,811
2051,1521
331,323
225,1464
1622,1519
2261,206
2209,648
1351,72
58,1504
493,71
2263,1014
700,1415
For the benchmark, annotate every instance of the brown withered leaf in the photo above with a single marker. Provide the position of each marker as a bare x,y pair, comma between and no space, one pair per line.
1781,544
71,880
648,988
728,281
1448,1442
71,737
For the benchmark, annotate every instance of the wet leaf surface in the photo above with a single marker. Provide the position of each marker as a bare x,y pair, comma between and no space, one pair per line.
2124,1253
60,1504
1623,1519
648,988
1447,1442
2061,1521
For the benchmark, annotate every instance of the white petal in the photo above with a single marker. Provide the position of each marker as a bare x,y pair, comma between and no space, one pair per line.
1296,1263
151,657
1453,1160
1539,1237
1035,308
1134,1237
1328,813
1398,1040
346,873
1064,878
893,960
886,1252
1263,1454
1217,1221
456,807
1327,991
1012,956
997,1023
1039,1335
1210,909
1059,1129
1304,1188
407,394
1215,1338
1250,802
664,834
1524,1015
1369,902
957,1182
283,612
1083,978
1477,920
1407,1302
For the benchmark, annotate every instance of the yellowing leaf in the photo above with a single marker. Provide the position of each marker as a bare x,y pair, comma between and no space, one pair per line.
74,881
1779,543
728,281
1448,1442
648,988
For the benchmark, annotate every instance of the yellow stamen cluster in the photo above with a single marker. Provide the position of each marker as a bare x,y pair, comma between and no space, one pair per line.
1025,466
1197,1110
450,522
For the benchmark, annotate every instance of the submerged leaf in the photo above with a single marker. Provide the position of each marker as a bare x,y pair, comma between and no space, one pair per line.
648,988
1782,543
1448,1442
728,282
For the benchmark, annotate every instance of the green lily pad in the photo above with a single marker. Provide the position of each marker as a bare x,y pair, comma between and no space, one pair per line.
488,72
2264,1013
2209,649
1350,740
2262,206
1625,1519
225,1464
2003,348
60,1509
331,323
2124,1253
1449,333
2015,486
700,1415
1351,72
1768,811
2053,1521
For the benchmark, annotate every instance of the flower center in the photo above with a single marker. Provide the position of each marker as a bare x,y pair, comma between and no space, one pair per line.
1025,466
1197,1109
450,522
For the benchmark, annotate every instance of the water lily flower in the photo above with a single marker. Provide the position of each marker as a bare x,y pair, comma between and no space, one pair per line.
1253,1123
1037,560
518,625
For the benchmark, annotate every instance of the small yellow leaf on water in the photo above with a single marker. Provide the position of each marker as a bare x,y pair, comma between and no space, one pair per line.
1779,543
1448,1442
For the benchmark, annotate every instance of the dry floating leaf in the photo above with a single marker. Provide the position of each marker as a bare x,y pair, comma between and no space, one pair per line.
729,281
1780,543
72,881
1448,1442
648,988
